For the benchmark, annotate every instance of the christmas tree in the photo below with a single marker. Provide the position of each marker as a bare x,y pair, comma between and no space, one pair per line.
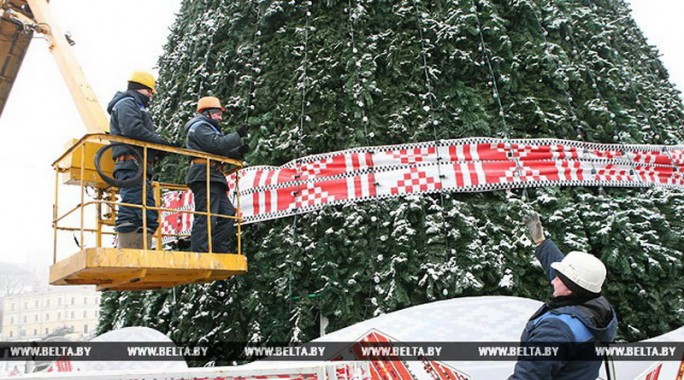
312,77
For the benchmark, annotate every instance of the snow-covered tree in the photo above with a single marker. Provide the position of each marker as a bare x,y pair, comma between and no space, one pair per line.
316,76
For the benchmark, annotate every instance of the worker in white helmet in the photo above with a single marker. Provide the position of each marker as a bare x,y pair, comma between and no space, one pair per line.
575,318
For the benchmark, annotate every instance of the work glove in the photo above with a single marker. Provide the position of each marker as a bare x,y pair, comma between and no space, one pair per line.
239,152
534,227
243,131
244,149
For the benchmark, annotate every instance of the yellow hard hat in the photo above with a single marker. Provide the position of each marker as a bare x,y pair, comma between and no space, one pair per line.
209,102
144,78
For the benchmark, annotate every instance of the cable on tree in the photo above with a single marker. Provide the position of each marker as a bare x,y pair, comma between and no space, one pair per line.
433,121
568,97
300,135
367,135
497,96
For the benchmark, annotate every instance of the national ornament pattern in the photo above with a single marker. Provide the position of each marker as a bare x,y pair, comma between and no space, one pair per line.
462,165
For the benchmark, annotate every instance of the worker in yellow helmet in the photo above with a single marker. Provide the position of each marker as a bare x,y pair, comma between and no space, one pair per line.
129,118
204,134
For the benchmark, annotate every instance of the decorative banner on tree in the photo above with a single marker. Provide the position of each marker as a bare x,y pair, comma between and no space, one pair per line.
463,165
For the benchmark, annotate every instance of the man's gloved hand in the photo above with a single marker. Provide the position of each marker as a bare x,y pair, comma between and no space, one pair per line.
534,227
243,131
244,149
238,153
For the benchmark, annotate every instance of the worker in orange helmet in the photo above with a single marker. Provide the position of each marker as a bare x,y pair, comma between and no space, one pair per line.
203,133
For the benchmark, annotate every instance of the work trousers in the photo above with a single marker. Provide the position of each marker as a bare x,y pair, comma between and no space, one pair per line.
222,229
130,219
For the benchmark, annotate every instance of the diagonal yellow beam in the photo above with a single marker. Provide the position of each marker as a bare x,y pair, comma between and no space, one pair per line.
88,106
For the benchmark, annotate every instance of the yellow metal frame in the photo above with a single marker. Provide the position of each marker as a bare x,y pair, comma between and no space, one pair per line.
130,269
134,269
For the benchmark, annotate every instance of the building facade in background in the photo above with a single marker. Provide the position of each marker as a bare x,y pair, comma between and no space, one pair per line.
69,311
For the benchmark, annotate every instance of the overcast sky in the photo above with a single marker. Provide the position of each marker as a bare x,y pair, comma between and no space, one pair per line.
112,39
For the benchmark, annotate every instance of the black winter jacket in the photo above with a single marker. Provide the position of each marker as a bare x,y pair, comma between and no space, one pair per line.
577,322
129,118
204,134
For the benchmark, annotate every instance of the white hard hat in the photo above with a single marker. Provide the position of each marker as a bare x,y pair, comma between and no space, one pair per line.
585,270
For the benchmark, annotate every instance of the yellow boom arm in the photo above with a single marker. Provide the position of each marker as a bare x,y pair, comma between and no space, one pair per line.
40,20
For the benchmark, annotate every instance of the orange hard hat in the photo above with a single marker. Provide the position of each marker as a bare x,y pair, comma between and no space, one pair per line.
209,102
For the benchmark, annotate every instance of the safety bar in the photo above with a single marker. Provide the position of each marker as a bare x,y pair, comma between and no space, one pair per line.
107,196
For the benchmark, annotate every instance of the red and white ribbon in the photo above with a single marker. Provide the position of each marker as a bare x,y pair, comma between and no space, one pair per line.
463,165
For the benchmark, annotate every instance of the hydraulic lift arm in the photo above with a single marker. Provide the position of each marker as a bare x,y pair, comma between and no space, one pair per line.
38,18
